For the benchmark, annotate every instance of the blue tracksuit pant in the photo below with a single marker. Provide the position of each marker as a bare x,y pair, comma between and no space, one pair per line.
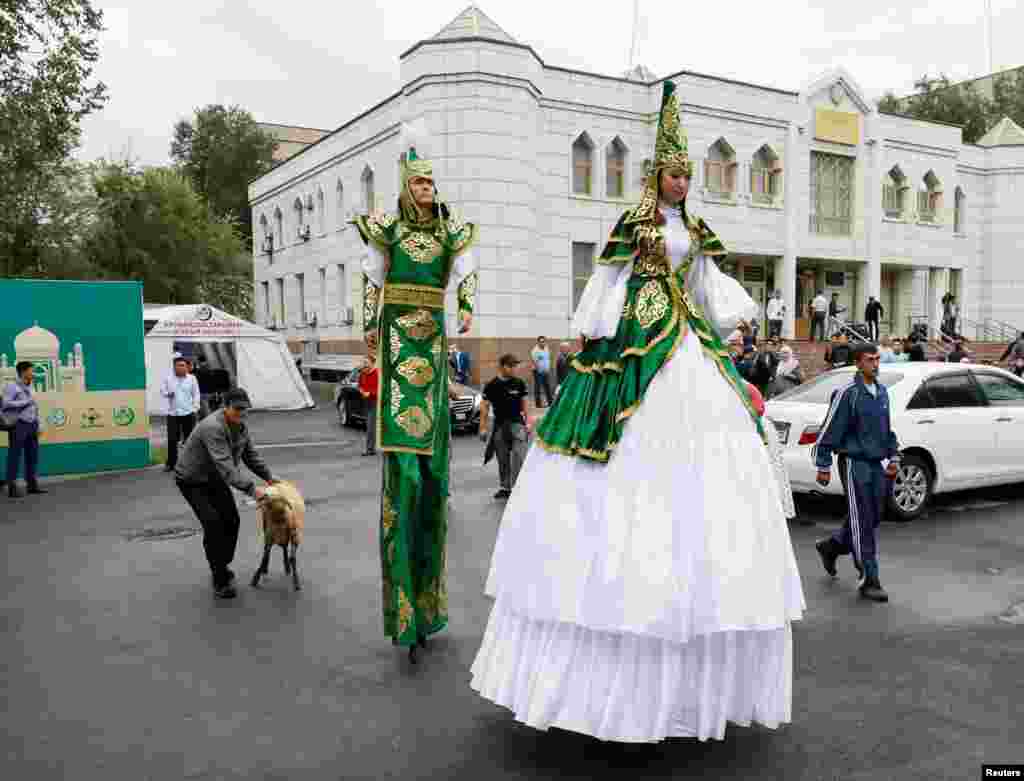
866,489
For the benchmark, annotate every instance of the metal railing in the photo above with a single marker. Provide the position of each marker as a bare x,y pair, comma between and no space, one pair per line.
841,326
987,330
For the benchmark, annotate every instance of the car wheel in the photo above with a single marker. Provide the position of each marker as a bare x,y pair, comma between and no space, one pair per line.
911,490
343,417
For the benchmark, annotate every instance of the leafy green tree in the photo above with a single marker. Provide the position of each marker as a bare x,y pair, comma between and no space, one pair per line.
1008,96
47,52
938,100
221,150
152,226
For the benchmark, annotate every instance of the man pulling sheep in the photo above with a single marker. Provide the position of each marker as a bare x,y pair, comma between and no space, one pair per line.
207,469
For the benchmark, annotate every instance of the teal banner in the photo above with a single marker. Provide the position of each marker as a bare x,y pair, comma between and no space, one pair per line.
85,343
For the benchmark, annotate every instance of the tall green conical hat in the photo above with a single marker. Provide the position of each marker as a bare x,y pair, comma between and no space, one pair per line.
670,151
670,148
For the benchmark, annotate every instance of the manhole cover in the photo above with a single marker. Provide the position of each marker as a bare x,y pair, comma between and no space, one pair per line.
162,533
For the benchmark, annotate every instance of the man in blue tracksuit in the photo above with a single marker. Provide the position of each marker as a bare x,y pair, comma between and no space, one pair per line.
858,428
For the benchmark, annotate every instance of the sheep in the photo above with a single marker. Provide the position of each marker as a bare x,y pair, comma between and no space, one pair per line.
281,513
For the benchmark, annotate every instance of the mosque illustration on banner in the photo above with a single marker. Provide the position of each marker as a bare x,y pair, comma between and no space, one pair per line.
41,348
69,411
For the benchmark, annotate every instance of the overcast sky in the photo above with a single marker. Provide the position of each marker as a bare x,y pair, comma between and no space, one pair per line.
319,64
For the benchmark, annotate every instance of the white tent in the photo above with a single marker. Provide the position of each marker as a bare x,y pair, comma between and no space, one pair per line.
265,367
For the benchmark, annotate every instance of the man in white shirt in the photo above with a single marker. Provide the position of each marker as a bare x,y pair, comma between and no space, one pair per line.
180,393
775,312
819,311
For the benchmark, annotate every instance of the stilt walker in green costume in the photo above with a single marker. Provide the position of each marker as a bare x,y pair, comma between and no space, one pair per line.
412,258
643,577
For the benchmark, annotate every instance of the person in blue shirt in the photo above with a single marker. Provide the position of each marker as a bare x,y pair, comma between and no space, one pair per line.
858,428
540,362
18,401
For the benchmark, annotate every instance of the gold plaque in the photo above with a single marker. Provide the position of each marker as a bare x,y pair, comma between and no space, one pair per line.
840,127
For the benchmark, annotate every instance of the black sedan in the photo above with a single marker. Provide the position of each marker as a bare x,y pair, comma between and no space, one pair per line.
351,406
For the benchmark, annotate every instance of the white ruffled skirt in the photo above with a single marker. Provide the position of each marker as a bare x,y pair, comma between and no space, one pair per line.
652,596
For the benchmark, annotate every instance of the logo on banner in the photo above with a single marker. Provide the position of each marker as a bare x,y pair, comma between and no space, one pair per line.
58,418
123,416
204,312
92,418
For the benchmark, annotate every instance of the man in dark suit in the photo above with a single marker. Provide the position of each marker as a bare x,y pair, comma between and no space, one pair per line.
872,315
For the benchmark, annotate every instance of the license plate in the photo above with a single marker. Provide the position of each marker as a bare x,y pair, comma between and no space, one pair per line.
782,429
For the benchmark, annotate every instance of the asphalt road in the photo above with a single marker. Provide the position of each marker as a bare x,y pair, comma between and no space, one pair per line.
118,664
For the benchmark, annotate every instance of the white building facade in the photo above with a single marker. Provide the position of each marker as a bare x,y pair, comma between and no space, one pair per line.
809,190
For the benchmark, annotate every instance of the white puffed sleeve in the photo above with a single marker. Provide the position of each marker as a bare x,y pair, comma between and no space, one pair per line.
374,264
597,316
465,264
722,298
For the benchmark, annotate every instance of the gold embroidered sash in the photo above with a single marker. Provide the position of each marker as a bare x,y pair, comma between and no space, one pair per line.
414,295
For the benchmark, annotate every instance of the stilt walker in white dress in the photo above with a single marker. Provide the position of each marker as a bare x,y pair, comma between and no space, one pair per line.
643,577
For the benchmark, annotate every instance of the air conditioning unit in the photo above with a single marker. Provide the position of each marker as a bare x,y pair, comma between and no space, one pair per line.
347,317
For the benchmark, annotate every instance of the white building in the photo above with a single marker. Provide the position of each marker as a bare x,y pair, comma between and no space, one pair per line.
809,190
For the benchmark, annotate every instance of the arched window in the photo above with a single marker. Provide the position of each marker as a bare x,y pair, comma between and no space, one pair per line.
765,176
615,163
720,170
369,196
929,200
299,216
894,190
278,229
959,208
339,204
582,165
321,215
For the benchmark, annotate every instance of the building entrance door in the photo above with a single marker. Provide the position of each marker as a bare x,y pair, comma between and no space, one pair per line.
887,298
756,291
804,296
754,284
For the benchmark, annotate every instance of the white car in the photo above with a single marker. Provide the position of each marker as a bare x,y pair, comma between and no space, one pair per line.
959,426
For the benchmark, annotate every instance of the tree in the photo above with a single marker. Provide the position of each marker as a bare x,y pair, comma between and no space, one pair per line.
152,226
47,52
221,150
938,100
1008,96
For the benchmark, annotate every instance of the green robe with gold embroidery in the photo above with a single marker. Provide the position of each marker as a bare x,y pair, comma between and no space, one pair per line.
608,378
407,314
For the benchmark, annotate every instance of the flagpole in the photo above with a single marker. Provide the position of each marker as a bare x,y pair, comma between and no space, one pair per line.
636,21
988,30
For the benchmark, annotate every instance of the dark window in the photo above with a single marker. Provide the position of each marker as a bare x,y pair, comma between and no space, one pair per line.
835,278
954,390
582,268
922,399
1001,391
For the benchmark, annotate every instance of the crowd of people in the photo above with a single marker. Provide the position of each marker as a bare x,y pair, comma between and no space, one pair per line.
772,367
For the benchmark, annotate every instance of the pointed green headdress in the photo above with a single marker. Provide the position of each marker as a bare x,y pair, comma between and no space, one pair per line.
670,151
413,141
670,145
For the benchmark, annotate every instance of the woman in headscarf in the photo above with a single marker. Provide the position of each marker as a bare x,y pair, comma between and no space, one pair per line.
643,575
787,374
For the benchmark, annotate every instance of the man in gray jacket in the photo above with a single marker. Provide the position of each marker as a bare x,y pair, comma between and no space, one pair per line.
207,469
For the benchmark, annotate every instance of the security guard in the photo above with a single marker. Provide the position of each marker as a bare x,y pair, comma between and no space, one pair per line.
858,428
